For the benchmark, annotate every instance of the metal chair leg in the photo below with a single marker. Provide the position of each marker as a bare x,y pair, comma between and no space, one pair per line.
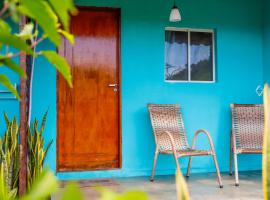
231,154
235,161
236,170
154,166
189,166
218,172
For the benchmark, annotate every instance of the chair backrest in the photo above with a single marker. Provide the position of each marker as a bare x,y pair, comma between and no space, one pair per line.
248,125
168,117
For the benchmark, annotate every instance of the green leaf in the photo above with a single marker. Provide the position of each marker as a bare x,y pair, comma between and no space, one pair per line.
45,185
67,35
6,82
13,10
43,122
62,9
13,194
6,118
72,191
266,143
129,195
27,31
14,41
133,195
181,186
106,194
4,27
40,11
3,187
60,64
13,66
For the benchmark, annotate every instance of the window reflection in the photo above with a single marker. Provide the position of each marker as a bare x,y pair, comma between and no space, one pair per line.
189,55
176,56
201,56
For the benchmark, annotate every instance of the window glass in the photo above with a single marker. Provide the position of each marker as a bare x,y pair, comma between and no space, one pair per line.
201,56
176,56
189,55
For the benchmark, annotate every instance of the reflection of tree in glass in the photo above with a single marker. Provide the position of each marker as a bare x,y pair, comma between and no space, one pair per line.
201,56
176,73
202,71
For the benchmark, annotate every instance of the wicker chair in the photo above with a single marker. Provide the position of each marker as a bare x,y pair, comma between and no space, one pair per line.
247,132
170,137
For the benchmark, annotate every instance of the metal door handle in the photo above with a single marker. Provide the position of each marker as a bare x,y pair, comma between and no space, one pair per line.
113,85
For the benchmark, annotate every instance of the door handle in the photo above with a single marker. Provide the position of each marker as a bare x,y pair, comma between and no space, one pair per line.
113,85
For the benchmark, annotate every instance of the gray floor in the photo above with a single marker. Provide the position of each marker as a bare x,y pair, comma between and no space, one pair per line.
201,186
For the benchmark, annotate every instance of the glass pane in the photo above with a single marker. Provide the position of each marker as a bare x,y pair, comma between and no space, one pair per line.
176,58
201,56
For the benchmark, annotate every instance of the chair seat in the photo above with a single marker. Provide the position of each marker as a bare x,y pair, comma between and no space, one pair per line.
188,152
249,150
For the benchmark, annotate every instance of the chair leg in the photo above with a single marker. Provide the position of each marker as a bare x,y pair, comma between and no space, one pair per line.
189,166
231,154
235,161
154,166
236,170
218,172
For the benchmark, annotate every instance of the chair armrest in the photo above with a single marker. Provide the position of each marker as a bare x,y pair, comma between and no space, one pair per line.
173,146
208,137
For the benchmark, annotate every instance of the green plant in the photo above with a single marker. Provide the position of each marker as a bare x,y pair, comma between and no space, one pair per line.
266,144
181,186
106,194
36,149
49,19
46,184
9,155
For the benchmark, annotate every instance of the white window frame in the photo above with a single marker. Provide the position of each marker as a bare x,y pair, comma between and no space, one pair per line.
188,30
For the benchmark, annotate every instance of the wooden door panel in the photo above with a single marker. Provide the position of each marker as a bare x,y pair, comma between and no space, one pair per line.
88,114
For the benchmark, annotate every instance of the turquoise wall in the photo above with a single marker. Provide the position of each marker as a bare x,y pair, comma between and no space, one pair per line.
266,70
239,46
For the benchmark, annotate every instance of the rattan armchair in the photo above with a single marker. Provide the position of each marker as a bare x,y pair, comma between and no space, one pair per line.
170,137
247,132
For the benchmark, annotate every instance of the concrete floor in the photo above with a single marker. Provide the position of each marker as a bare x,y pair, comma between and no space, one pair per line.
201,186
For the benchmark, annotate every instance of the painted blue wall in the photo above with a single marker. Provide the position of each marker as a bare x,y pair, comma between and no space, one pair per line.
239,45
266,71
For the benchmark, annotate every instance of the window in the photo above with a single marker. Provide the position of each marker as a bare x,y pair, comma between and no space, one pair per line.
189,55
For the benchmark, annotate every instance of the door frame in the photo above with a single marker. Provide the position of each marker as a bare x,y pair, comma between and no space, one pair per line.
60,51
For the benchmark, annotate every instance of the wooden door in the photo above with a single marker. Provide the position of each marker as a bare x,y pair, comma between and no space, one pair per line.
88,114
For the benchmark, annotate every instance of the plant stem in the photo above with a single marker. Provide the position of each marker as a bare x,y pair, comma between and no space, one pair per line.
33,46
4,9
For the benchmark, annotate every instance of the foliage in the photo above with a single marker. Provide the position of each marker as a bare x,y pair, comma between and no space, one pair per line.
43,187
181,186
72,191
266,144
46,184
9,155
36,150
129,195
51,16
5,192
